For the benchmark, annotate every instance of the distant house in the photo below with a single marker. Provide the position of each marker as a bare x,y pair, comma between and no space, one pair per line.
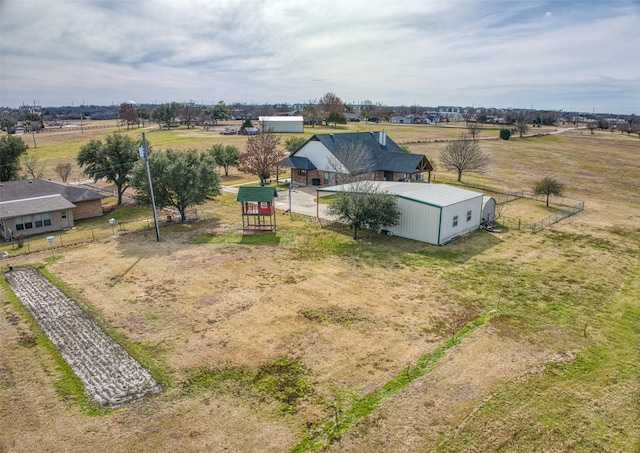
432,213
280,124
325,159
35,206
402,120
258,208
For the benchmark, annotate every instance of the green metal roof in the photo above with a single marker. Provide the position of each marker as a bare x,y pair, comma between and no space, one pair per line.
256,193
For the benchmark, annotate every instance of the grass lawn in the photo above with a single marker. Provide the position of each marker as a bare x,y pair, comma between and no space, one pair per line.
306,339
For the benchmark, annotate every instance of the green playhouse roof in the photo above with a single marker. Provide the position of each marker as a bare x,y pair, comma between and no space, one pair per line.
256,193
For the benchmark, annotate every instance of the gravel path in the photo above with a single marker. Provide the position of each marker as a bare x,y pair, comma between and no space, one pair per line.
110,375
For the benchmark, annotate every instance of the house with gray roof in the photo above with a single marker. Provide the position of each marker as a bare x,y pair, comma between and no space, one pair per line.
329,159
36,206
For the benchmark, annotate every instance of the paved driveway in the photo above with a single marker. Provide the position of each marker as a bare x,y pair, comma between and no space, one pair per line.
303,201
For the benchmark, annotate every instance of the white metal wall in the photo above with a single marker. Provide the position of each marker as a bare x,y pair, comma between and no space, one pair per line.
422,222
284,126
448,231
418,221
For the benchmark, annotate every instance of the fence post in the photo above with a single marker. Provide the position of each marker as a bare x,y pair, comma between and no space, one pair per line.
519,220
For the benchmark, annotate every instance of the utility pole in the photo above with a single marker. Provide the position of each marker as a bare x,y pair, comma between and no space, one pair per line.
144,153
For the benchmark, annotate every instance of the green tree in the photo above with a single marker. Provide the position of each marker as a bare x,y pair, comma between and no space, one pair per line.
245,124
165,113
505,134
143,114
548,187
181,179
224,156
220,111
7,123
335,118
293,143
464,155
363,206
112,160
11,150
261,156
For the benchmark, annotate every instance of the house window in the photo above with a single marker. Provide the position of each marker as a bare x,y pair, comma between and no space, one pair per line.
326,177
468,216
63,214
23,223
263,204
302,172
42,220
455,221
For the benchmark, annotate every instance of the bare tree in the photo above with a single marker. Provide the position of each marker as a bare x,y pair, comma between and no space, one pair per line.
261,156
63,170
33,167
474,129
311,112
128,114
548,186
522,126
190,113
330,103
352,160
464,155
592,126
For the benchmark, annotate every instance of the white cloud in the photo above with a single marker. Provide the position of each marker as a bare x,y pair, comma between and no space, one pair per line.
401,52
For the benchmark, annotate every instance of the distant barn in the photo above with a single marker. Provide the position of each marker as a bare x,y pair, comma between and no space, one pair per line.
280,124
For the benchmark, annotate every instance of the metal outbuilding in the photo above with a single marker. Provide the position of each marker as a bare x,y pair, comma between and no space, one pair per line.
278,124
432,213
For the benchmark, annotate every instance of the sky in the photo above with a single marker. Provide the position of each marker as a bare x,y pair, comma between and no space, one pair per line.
571,55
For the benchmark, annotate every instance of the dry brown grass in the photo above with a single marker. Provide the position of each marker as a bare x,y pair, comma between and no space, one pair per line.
236,306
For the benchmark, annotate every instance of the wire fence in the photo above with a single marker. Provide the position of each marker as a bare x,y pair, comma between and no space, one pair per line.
557,216
79,235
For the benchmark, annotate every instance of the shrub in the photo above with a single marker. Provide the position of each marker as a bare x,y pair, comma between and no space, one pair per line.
505,134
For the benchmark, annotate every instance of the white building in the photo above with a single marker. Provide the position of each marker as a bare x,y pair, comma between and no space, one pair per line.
432,213
280,124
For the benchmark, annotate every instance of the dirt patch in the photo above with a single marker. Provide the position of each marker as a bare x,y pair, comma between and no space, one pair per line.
110,375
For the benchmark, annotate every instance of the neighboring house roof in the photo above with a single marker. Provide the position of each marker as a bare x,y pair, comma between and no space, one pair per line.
30,188
256,194
379,157
35,205
276,119
440,195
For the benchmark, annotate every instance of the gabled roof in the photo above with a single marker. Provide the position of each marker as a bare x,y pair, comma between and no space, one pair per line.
29,188
256,193
34,205
378,157
297,162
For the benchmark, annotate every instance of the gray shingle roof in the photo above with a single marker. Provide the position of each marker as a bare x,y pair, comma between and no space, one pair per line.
30,188
378,158
35,205
297,162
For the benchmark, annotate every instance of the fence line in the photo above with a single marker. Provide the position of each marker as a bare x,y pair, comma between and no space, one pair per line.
556,217
67,238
